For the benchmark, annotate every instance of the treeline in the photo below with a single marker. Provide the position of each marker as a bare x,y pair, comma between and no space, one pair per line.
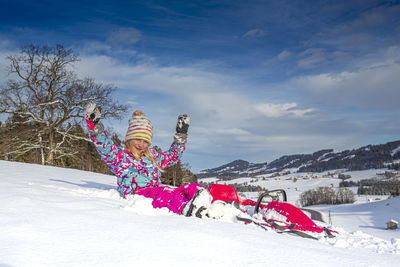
326,195
394,166
375,187
16,144
178,175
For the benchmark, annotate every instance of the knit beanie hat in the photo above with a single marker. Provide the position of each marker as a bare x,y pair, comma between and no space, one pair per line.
140,127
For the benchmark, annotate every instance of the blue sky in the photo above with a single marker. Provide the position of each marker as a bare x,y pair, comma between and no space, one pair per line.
260,79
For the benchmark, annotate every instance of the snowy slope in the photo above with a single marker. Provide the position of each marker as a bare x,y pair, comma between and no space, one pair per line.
370,218
62,217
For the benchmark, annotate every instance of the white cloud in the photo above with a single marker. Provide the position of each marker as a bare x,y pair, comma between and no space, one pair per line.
6,44
367,20
128,35
254,33
311,58
357,40
147,75
232,131
282,144
281,110
132,101
284,55
374,83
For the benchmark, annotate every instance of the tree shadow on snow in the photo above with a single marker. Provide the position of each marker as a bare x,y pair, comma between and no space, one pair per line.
87,184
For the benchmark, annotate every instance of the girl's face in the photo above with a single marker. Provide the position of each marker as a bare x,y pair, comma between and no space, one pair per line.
138,146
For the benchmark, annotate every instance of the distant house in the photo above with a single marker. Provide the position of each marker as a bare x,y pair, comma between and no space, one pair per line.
392,225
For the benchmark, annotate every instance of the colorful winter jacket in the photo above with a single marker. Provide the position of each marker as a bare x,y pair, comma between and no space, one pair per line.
134,174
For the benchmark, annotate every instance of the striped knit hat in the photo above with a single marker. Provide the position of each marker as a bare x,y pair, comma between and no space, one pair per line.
140,127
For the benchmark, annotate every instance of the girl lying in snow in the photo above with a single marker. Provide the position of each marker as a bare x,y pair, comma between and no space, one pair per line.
138,168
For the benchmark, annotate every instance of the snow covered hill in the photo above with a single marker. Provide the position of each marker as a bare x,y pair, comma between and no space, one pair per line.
63,217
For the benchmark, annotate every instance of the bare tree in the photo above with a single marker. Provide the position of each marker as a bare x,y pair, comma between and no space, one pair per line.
326,195
344,195
45,94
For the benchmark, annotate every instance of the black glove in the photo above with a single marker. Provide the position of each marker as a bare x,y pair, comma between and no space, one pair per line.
182,125
182,128
92,117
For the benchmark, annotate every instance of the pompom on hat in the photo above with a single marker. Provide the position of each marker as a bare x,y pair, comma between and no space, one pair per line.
140,127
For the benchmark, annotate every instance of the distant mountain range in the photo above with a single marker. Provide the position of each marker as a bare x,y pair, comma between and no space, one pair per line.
367,157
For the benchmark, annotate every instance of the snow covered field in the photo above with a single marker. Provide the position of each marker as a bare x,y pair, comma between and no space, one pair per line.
296,183
63,217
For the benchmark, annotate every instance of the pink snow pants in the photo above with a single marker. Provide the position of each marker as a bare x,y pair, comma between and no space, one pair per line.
172,198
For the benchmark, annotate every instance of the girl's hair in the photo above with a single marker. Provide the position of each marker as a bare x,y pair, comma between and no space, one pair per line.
147,154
